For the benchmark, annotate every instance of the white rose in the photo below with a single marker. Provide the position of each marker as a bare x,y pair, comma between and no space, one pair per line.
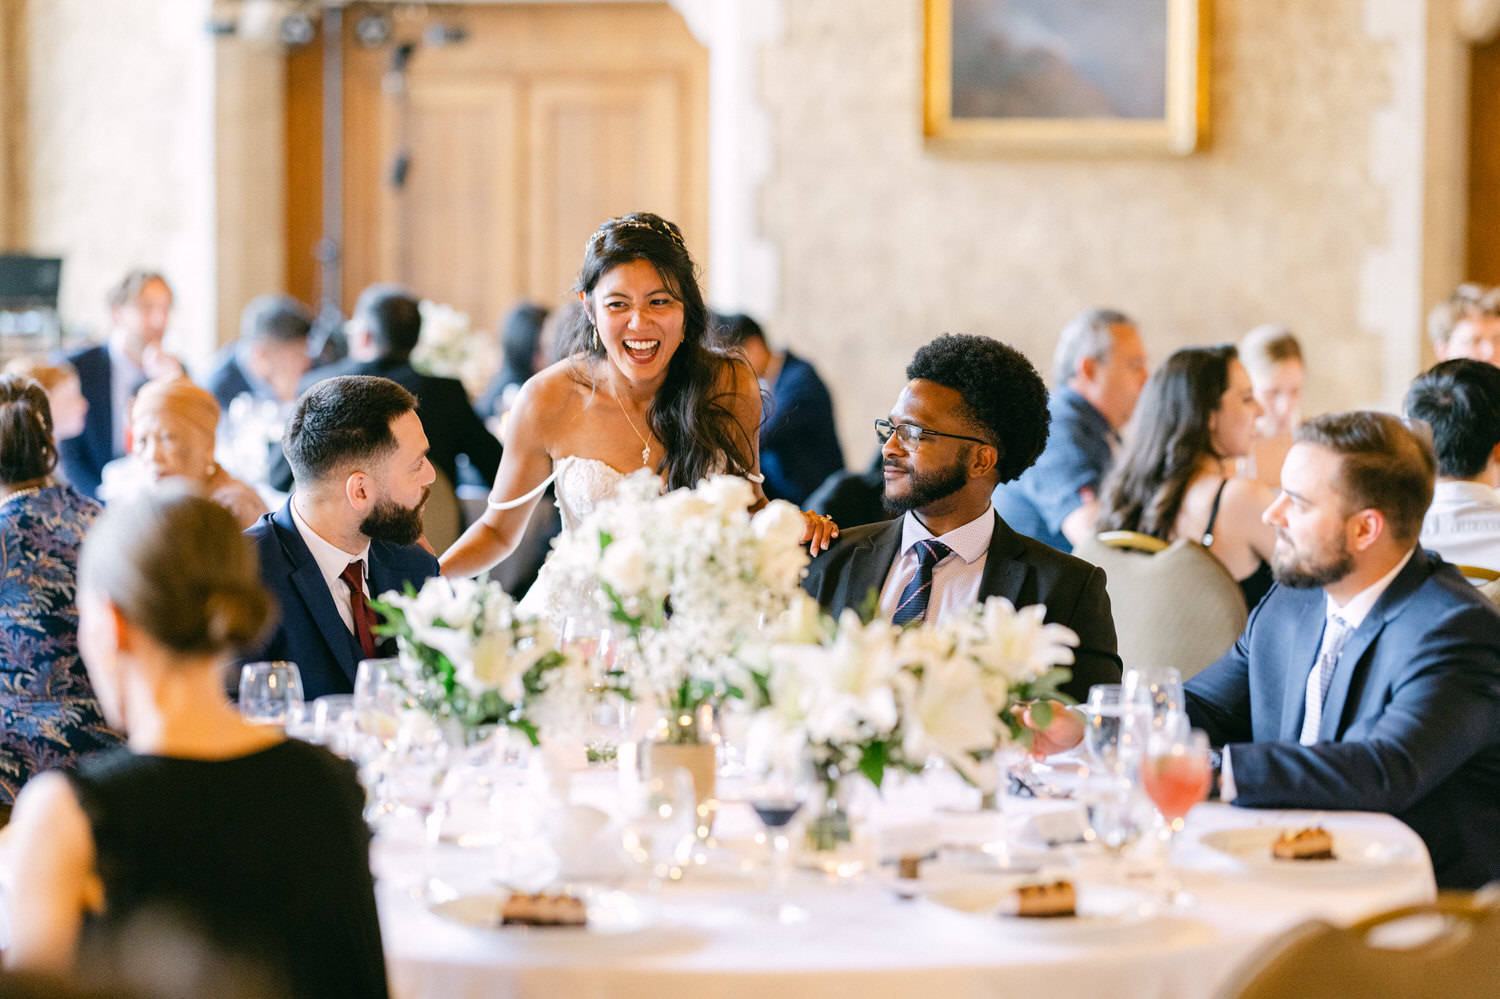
623,567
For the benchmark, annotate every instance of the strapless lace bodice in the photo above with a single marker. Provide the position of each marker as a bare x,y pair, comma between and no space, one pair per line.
581,484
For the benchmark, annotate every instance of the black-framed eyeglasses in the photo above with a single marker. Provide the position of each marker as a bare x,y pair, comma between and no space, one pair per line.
910,435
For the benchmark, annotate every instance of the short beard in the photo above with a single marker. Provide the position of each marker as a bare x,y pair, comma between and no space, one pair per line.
390,521
928,487
1305,575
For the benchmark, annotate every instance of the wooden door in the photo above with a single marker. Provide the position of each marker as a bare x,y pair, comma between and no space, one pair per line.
1483,256
521,138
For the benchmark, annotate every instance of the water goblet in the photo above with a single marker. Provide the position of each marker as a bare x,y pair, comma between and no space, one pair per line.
660,824
1159,688
777,790
1118,814
268,692
1116,729
417,778
333,723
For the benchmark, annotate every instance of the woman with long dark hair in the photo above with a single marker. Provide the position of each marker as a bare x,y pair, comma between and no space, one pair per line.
639,387
1174,478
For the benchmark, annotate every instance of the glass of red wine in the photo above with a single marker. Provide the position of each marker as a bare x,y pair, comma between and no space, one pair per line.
777,788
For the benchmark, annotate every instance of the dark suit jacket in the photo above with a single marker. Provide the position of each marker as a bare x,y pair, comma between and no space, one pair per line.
227,380
1023,571
799,445
310,632
1411,725
83,457
448,419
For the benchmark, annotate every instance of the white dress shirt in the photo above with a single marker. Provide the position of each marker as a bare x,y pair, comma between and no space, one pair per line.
332,561
125,377
955,579
1463,524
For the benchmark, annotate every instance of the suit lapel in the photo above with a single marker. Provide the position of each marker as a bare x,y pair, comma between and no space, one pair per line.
1387,607
869,565
1004,573
1304,652
308,581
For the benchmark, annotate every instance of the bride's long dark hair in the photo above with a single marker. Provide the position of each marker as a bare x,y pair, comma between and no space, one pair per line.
693,411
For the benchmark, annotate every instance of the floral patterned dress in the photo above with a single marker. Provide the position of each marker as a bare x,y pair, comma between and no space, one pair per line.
48,715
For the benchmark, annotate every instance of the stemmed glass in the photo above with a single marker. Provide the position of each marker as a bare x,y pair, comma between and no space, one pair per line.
1116,732
777,789
661,824
418,774
1176,776
270,692
1157,687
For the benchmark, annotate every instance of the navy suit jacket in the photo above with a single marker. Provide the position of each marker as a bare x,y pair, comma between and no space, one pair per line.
310,632
227,380
799,445
1023,571
1411,724
83,457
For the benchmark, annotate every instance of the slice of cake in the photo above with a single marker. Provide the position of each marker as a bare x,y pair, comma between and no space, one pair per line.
1042,901
543,910
1305,844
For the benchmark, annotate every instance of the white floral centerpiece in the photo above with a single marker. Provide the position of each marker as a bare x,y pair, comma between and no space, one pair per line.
478,663
448,346
692,576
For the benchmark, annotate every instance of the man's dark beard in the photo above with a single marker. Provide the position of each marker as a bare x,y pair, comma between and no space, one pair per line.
1304,575
927,487
390,521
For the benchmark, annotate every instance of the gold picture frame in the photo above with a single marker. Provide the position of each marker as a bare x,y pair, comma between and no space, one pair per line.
1066,76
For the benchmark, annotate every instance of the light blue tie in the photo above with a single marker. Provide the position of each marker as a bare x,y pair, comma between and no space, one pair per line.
1335,637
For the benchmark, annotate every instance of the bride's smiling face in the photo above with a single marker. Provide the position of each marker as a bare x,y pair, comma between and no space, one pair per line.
638,318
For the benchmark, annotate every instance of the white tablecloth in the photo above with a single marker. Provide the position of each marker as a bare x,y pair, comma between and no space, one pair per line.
709,937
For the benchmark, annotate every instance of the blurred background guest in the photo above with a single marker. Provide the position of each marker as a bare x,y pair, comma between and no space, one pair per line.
173,423
64,394
1273,357
522,354
269,358
799,442
1467,324
1460,400
1098,369
168,590
48,715
109,374
1174,479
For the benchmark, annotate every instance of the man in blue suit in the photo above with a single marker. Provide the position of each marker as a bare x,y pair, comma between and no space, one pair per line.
349,531
270,357
1369,677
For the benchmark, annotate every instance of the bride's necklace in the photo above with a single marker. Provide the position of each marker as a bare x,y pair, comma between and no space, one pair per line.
646,450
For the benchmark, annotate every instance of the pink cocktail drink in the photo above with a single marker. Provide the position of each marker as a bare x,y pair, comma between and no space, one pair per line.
1175,783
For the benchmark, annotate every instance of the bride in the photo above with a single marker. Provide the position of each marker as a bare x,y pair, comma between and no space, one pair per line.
638,388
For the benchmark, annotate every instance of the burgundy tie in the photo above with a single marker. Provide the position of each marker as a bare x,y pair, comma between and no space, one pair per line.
364,618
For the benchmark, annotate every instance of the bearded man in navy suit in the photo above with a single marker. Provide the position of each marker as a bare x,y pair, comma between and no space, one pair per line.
1369,676
350,529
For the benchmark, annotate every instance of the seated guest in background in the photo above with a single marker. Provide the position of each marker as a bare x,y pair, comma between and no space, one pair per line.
109,375
349,531
48,715
1467,325
64,393
1273,357
270,357
169,828
1369,678
173,424
1174,477
521,355
852,498
799,441
382,334
1098,370
1460,401
973,413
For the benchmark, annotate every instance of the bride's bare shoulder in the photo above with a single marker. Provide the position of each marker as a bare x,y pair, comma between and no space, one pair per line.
555,385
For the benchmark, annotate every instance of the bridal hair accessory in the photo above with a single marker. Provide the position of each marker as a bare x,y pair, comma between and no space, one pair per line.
629,223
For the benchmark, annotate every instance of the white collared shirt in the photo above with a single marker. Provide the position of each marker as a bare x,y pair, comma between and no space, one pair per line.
332,560
1353,614
125,377
955,579
1463,523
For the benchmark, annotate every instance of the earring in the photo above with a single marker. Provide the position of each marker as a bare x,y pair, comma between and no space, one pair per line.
596,335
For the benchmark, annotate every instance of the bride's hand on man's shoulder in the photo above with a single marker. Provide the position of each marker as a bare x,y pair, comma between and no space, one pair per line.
819,532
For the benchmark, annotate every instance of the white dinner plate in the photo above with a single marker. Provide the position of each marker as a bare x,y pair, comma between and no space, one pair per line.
1355,854
609,912
1101,908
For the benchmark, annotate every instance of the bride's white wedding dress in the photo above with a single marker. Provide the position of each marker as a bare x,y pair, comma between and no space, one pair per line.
580,485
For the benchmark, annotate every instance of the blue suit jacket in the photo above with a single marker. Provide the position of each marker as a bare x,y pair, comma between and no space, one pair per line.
799,444
1411,725
310,632
1075,459
227,379
83,457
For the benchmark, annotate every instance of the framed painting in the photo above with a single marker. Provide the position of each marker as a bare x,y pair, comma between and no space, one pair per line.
1066,75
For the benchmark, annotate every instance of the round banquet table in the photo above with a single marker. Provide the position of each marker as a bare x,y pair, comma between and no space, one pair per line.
710,936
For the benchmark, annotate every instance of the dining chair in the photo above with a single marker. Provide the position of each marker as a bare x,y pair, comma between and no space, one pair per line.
1445,949
1174,604
1485,580
442,517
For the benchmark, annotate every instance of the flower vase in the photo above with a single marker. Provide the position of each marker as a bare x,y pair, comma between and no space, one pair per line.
685,739
835,841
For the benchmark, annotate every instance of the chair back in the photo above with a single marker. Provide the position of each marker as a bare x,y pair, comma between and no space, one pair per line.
1485,580
1174,605
442,517
1456,956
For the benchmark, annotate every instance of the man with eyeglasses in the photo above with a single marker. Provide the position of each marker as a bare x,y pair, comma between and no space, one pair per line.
973,414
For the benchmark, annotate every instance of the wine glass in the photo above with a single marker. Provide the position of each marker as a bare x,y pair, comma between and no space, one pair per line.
1176,776
269,691
661,824
1115,736
333,723
417,778
1159,688
1118,815
777,788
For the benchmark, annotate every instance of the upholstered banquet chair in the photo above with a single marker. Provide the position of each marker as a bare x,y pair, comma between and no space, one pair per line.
1486,581
1450,950
442,517
1174,605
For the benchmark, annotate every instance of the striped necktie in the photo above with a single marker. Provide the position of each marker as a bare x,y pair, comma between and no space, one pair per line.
913,605
1335,637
